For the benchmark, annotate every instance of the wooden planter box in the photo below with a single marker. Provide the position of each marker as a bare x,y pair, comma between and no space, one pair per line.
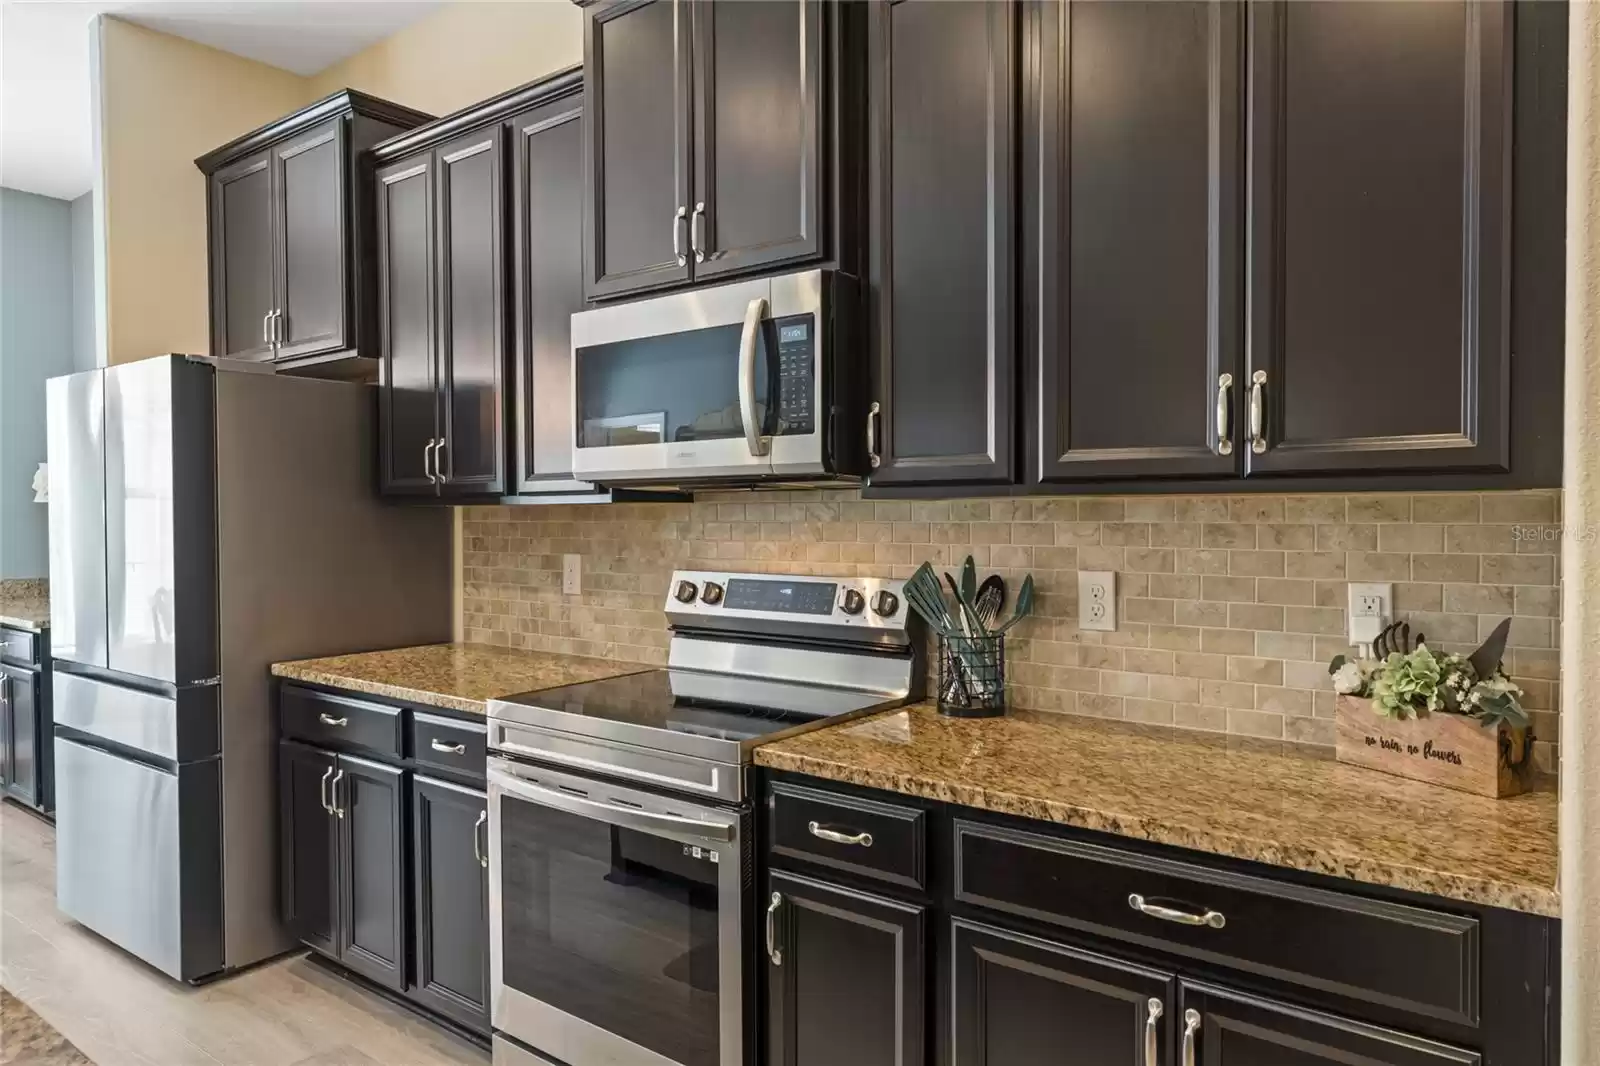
1442,749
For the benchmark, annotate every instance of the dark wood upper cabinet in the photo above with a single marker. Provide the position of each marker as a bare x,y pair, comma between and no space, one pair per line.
1236,1029
1017,1000
1133,180
637,85
942,114
1379,261
369,798
450,857
845,979
470,456
757,136
547,180
308,854
290,222
408,406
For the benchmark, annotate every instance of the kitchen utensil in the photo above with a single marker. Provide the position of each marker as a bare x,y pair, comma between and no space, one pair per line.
970,625
1024,605
926,597
991,599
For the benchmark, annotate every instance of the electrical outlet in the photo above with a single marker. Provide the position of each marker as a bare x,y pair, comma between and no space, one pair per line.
571,574
1371,608
1097,600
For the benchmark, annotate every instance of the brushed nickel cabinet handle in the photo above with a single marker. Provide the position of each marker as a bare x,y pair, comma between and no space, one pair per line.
774,952
447,749
697,229
323,789
677,236
1151,1051
873,413
1224,438
438,460
822,832
327,719
266,329
1210,918
477,852
1191,1026
427,461
280,331
1258,413
337,810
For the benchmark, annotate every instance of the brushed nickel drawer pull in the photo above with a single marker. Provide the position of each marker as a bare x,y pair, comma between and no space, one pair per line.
1191,1025
774,952
822,832
1151,1051
1224,438
327,719
1212,919
447,749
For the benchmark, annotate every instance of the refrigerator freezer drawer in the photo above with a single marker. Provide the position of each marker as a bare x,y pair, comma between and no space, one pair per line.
174,729
138,856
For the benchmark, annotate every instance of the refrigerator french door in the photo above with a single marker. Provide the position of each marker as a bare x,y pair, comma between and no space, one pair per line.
617,919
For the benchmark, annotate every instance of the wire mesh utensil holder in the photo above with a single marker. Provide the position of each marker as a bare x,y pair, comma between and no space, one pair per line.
972,676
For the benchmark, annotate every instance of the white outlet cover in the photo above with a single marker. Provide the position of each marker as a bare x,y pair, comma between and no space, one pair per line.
1097,600
571,575
1370,608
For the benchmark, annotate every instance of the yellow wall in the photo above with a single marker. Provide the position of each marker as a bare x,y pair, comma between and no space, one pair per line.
163,102
463,53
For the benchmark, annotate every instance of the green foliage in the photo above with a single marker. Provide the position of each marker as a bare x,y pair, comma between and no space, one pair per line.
1406,684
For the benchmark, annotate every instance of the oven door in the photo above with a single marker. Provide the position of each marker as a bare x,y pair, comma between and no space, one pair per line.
724,382
615,921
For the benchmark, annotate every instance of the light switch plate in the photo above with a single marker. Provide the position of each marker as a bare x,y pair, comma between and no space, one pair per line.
571,574
1097,600
1371,608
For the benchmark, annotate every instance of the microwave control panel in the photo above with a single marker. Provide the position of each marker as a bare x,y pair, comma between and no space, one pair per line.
796,374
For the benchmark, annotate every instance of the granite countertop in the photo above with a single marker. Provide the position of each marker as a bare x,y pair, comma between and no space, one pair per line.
25,603
1287,810
463,677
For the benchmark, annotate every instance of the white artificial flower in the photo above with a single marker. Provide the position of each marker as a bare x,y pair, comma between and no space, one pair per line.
1348,680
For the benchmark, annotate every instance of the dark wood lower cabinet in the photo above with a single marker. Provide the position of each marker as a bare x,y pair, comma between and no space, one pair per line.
369,805
845,980
1018,1000
309,858
1235,1029
451,926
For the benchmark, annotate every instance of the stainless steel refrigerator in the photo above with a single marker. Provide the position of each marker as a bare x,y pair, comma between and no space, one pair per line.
204,523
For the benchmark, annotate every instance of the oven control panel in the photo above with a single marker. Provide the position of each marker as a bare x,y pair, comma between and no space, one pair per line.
844,601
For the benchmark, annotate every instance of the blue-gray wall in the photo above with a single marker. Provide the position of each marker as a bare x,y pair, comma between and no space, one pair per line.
85,342
36,342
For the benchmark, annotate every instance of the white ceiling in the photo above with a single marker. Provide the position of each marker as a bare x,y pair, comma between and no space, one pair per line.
44,64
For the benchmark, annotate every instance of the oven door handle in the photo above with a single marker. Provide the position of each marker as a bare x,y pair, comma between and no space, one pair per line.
753,314
616,814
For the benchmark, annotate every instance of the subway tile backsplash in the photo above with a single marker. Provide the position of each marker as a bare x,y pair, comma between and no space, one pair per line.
1229,608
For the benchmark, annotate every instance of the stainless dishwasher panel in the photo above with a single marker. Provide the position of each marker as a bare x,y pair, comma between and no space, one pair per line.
138,856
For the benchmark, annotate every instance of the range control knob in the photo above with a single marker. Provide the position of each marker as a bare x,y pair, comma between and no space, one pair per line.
852,601
711,593
686,592
885,603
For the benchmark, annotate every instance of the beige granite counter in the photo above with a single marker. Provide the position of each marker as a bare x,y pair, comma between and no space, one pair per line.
463,677
25,603
1281,808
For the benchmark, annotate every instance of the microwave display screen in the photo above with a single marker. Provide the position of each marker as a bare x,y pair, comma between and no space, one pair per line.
784,597
794,334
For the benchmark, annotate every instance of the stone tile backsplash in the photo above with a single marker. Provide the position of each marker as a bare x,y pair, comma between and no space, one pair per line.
1229,607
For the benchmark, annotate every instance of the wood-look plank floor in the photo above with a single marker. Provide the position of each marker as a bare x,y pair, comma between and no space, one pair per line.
121,1012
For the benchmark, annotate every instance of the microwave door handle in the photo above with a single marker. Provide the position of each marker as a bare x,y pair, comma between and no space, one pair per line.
625,817
753,314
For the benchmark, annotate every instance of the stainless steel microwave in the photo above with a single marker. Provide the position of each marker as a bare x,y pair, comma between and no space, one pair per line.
741,384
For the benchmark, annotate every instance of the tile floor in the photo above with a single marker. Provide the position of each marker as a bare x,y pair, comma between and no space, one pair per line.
123,1013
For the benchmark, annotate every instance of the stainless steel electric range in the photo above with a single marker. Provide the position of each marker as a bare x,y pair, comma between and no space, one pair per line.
620,827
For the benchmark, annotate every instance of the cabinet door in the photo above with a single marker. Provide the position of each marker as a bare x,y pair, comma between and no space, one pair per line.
1018,1000
308,845
1133,180
846,987
472,340
548,182
370,802
1378,257
313,300
636,87
242,270
22,706
942,125
449,827
757,134
6,753
1234,1029
407,403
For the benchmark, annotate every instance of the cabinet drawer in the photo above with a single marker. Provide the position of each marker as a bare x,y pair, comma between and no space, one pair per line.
1411,958
868,837
18,647
449,743
339,722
